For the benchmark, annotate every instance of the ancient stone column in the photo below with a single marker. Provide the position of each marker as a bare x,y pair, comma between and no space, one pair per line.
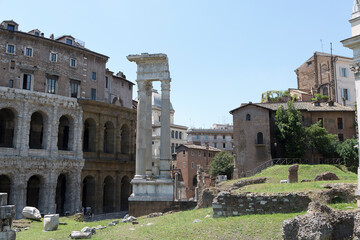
141,144
165,156
148,127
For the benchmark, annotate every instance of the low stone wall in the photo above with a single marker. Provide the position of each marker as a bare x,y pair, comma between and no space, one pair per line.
227,204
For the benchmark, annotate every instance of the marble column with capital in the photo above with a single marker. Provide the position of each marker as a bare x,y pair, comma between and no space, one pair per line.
142,139
148,115
165,156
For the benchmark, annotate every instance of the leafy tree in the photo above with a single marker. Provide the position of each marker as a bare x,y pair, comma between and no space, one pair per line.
222,164
318,138
348,150
289,130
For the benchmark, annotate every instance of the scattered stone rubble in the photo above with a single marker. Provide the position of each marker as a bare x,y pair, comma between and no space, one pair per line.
321,222
326,176
51,222
31,213
128,218
7,213
293,173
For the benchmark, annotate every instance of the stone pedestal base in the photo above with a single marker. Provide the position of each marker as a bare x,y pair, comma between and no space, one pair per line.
150,196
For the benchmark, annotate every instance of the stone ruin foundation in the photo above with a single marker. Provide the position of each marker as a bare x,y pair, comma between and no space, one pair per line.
7,213
321,222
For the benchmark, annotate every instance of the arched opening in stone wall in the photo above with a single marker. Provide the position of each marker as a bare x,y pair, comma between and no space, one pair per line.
65,135
5,186
260,138
33,192
109,132
60,194
7,126
88,194
125,139
89,141
108,195
36,135
125,193
195,181
115,100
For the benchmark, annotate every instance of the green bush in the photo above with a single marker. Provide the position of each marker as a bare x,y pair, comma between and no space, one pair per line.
222,164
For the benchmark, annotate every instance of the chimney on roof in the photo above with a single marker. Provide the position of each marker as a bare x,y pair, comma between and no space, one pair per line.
52,36
42,34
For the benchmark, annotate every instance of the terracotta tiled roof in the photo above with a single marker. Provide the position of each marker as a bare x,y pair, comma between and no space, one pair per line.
193,146
302,106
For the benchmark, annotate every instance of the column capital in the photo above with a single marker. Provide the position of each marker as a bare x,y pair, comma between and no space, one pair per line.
165,85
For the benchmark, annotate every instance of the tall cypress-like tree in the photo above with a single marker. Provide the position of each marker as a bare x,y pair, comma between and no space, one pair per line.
289,131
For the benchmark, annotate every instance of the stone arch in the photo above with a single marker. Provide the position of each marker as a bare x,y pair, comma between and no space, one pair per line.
60,194
109,137
38,127
115,100
5,186
34,192
260,138
89,135
125,193
88,192
108,194
65,133
7,128
125,139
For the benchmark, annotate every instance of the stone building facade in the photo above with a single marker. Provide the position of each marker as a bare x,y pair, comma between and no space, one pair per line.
254,129
188,157
62,134
329,75
219,136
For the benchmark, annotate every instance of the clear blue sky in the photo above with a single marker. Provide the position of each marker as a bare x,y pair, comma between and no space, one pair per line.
222,53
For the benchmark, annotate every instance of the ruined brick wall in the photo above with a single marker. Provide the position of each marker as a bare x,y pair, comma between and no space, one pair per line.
226,204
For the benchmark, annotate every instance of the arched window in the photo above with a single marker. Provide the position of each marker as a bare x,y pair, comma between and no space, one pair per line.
125,139
248,117
176,134
172,134
172,148
180,135
195,181
7,126
36,131
109,137
260,138
89,138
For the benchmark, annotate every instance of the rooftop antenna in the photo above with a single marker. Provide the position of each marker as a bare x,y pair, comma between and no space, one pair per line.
322,45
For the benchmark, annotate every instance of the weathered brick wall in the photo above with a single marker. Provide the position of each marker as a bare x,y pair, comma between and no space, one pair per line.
226,204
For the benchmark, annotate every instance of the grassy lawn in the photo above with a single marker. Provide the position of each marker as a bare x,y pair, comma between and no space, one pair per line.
280,172
174,226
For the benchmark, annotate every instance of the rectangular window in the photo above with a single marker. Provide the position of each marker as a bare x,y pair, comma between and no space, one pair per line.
130,86
12,64
69,41
11,83
215,136
51,85
93,94
184,164
106,82
345,94
197,136
11,27
199,153
215,145
27,81
122,83
321,122
184,153
192,153
28,52
10,49
74,85
343,72
340,123
53,57
192,165
72,62
93,76
224,146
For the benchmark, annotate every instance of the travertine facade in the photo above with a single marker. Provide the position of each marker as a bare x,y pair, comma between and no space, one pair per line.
67,127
